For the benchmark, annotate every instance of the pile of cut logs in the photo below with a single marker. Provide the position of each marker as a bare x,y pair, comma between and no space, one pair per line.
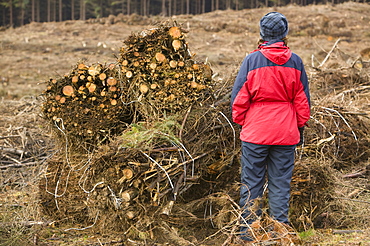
87,103
164,78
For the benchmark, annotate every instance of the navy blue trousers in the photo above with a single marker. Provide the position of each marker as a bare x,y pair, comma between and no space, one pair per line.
277,161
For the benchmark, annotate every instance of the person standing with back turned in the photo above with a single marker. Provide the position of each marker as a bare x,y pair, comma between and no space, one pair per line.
271,101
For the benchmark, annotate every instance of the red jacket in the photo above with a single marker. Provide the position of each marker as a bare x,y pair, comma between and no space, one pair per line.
270,97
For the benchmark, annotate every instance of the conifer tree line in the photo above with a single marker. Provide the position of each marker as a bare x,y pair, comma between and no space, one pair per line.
20,12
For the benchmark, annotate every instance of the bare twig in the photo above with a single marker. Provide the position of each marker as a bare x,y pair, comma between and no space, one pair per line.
347,231
13,151
81,229
155,162
228,121
344,120
10,136
26,223
355,175
114,242
359,88
168,208
192,159
55,194
184,121
328,55
116,201
20,165
61,129
12,159
353,200
173,148
195,158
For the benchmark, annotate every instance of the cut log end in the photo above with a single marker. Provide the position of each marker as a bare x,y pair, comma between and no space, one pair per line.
68,90
82,66
143,88
124,63
128,173
173,64
175,32
176,44
75,79
92,88
129,74
160,57
94,70
128,195
102,76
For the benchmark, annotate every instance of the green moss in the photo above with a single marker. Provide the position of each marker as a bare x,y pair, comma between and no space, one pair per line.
307,234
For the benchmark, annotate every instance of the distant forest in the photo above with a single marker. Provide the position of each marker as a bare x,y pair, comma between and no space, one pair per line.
19,12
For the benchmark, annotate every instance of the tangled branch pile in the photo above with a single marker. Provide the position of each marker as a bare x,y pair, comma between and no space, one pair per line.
153,132
337,141
330,181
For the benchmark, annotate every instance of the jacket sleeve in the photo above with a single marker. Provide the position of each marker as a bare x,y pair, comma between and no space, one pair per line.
240,97
302,102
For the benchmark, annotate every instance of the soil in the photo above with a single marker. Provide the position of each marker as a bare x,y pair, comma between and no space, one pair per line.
32,54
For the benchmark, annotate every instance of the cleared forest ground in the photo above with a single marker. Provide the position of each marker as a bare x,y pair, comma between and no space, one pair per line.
334,43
